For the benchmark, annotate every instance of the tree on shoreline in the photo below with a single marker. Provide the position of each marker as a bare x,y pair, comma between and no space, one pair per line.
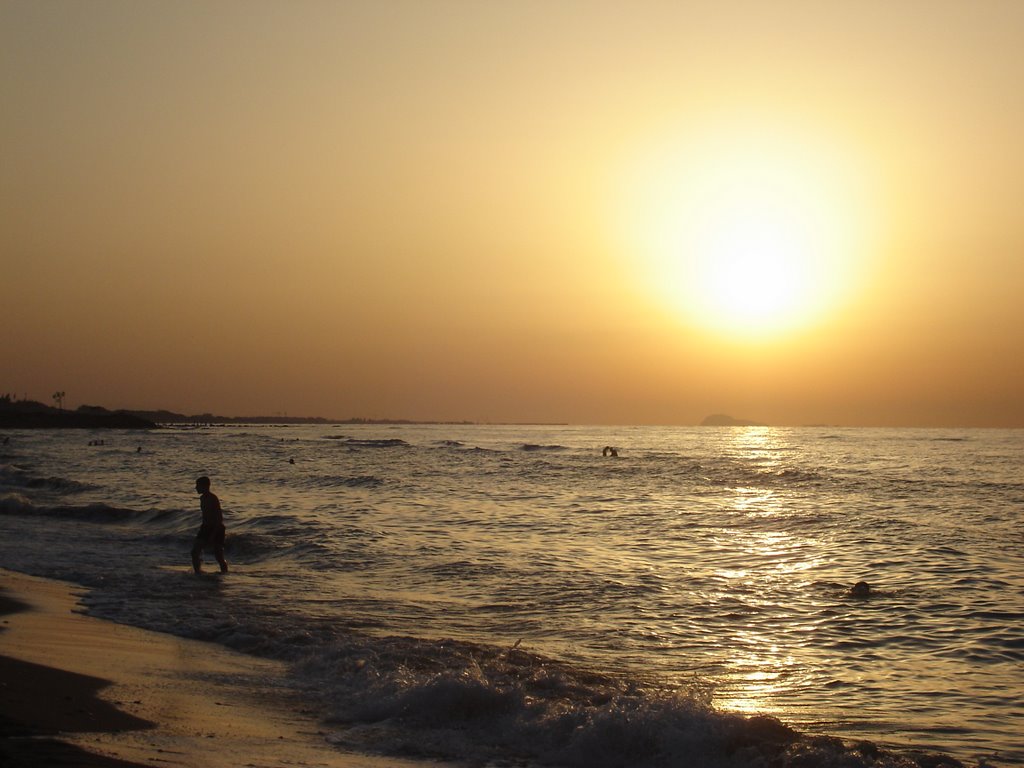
58,397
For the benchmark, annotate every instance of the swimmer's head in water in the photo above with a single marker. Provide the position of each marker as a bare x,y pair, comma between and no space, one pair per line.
860,589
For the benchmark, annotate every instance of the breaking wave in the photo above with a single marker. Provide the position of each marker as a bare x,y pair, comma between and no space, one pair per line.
16,477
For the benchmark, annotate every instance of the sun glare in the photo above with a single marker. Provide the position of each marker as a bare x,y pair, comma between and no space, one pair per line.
745,234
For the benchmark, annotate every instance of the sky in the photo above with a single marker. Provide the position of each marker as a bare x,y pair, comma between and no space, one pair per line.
576,212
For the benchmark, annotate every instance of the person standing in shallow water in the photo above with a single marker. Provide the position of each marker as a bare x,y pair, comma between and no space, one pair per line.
211,532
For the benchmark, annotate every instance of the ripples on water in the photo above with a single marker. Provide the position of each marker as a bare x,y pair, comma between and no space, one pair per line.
714,562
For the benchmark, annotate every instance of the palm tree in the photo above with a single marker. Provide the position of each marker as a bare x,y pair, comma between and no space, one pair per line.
58,397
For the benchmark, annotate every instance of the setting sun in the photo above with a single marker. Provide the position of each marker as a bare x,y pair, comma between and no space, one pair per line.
749,234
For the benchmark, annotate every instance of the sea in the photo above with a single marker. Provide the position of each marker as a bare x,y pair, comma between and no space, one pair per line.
517,596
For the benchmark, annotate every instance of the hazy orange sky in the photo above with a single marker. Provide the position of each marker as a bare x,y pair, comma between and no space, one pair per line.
584,212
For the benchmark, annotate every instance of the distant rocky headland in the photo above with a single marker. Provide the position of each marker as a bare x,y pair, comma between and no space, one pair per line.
29,414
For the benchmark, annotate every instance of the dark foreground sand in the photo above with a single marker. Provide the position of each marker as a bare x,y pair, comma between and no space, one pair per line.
39,702
78,691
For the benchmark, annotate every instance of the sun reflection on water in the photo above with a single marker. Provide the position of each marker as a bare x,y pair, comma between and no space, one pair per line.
764,656
758,502
750,442
754,681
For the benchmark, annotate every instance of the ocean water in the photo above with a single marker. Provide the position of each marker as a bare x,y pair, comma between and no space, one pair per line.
506,595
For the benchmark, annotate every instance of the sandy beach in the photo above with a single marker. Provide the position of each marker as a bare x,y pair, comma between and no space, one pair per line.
80,691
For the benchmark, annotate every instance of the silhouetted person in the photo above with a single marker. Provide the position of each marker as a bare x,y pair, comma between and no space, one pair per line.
860,589
211,532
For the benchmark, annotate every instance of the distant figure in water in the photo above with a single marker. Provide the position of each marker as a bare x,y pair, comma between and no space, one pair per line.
860,589
211,532
609,451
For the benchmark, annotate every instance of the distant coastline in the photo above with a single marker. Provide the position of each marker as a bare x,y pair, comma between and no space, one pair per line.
31,414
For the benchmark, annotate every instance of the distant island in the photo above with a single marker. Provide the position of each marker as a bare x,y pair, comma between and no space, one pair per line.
721,420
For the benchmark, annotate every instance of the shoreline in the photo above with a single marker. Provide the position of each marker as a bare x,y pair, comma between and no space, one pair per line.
80,691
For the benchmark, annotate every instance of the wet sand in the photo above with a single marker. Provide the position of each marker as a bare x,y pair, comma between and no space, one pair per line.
79,691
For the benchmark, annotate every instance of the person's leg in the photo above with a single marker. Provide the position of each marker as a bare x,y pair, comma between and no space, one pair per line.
197,551
218,550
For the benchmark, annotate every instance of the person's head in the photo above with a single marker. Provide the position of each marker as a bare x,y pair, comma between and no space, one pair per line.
203,484
860,589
